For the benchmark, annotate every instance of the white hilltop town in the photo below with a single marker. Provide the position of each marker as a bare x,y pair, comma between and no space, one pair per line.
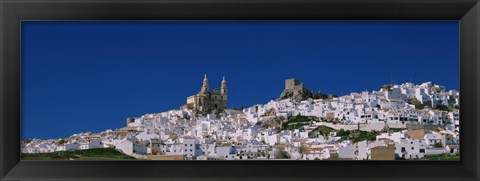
396,122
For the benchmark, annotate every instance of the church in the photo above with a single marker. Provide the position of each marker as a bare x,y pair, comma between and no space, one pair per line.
207,101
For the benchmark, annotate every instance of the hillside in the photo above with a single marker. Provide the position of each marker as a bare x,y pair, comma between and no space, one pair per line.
89,154
303,95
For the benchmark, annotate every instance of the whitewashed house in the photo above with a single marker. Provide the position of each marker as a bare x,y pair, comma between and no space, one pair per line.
433,138
410,148
142,147
126,146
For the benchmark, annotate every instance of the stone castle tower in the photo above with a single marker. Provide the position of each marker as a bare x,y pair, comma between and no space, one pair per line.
207,101
294,86
295,90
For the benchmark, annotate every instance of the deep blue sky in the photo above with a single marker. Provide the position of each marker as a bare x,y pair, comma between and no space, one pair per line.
91,76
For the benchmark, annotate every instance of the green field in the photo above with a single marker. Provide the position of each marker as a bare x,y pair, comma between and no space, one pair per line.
444,157
89,154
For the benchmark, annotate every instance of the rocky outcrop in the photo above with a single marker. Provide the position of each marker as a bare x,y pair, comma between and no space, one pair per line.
298,92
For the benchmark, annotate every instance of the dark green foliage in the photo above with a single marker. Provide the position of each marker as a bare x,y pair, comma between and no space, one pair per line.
321,130
438,145
62,141
186,116
325,130
296,122
332,120
442,107
292,126
281,154
299,118
396,129
443,157
417,103
342,133
363,135
429,104
357,135
89,154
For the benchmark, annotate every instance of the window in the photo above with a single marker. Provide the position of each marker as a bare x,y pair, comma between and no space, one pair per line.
412,148
403,149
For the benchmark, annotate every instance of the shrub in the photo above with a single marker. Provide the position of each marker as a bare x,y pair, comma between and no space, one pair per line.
443,107
438,145
357,135
62,141
417,103
281,154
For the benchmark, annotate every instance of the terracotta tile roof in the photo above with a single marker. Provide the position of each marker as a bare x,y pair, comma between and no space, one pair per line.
122,134
316,149
416,134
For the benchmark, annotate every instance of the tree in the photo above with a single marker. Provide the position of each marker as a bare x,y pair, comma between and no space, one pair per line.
443,107
61,142
302,149
342,133
429,104
417,103
186,116
281,154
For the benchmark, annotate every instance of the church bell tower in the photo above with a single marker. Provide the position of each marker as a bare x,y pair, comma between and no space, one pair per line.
223,90
205,85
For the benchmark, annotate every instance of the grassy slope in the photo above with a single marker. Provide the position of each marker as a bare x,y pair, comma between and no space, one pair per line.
296,122
90,154
444,157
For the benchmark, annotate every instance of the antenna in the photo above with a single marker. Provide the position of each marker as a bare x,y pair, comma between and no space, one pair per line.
391,78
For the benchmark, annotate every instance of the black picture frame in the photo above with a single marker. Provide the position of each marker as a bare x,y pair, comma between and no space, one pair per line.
12,12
